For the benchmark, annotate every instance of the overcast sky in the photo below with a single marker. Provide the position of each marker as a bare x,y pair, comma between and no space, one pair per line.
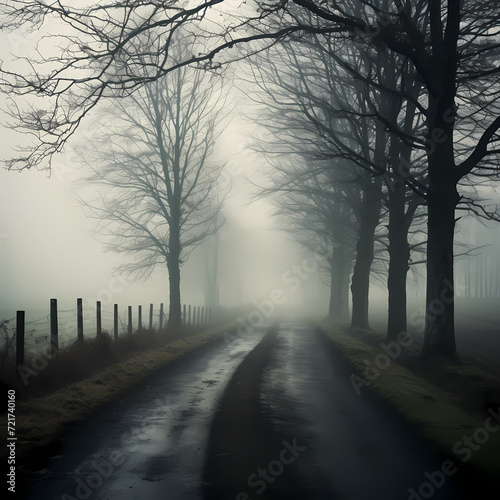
48,248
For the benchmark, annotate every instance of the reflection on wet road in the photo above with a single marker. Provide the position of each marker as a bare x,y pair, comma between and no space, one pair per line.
293,389
359,450
151,445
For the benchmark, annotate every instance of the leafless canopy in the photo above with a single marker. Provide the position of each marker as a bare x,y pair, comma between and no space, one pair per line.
151,159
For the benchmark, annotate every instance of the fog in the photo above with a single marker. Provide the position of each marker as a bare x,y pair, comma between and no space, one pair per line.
282,220
49,250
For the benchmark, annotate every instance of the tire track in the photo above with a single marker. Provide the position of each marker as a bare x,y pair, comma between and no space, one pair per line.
247,457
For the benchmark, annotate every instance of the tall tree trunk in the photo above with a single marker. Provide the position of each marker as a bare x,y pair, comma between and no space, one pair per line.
399,256
174,276
334,303
339,285
442,200
360,284
400,221
211,273
344,290
443,176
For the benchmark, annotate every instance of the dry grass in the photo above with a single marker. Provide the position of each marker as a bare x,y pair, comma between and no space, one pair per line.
432,408
41,421
42,375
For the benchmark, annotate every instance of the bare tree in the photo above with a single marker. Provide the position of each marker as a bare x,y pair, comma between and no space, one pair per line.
454,46
157,183
320,210
317,106
320,214
318,197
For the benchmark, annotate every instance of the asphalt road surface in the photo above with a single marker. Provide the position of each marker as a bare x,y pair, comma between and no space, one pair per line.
268,416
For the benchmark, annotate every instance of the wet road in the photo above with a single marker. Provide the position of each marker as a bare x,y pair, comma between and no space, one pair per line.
332,443
281,422
150,445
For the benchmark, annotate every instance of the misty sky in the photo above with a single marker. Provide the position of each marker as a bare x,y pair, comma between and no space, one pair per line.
48,249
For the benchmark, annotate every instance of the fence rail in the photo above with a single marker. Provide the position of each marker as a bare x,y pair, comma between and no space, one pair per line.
61,328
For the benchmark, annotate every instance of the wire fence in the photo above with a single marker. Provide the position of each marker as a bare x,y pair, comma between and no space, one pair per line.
61,328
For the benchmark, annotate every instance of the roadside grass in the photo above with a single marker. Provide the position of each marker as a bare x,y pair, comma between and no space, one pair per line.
433,409
469,373
41,421
41,373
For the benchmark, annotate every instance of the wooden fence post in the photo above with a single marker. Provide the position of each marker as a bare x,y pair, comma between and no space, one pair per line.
151,317
189,314
79,319
184,315
115,320
99,318
139,319
130,320
161,316
19,339
54,329
202,321
194,315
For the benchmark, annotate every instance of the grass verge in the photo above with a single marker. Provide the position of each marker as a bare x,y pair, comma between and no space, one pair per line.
40,422
431,408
